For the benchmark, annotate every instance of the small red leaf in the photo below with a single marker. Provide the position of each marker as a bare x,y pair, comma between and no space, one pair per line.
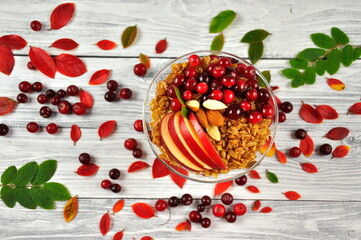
309,167
179,180
87,169
7,60
137,166
75,133
13,41
118,206
104,224
274,88
310,115
181,226
144,59
307,146
99,77
281,157
337,133
118,236
143,210
106,44
256,205
7,105
292,195
335,84
106,129
254,174
61,15
65,44
188,225
42,61
266,210
340,151
158,169
70,65
161,46
147,238
253,189
327,112
355,108
86,99
222,187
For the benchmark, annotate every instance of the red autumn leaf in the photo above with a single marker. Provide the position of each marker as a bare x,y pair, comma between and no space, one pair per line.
99,77
143,210
161,46
340,151
281,157
355,108
61,15
42,61
254,174
7,60
266,210
159,169
274,88
256,205
106,129
87,170
222,187
188,225
70,65
335,84
75,133
181,226
104,224
307,146
118,206
310,115
118,236
144,59
65,44
179,180
86,99
7,105
137,166
13,41
253,189
327,112
147,238
292,195
309,167
337,133
106,44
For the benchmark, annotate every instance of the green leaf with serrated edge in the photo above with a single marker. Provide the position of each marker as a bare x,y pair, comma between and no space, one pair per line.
298,63
322,40
46,171
347,55
218,42
290,73
255,52
41,197
339,36
298,81
255,36
23,197
8,197
272,177
310,54
26,174
320,67
356,53
57,191
333,61
309,75
222,21
129,35
8,175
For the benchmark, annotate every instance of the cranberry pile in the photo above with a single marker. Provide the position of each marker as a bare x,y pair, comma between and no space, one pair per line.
111,96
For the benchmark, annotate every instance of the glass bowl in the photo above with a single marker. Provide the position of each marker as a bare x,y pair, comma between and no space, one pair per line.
231,175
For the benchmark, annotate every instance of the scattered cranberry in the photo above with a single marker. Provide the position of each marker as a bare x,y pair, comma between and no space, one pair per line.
35,25
37,86
228,81
22,98
178,81
204,77
171,92
112,85
116,188
252,84
114,173
50,93
225,62
206,222
217,95
64,107
138,125
255,117
125,93
201,208
281,117
230,217
239,209
160,205
32,127
250,72
190,84
325,149
286,107
52,128
130,144
106,184
78,108
61,93
140,69
4,129
263,95
228,96
195,216
300,134
227,198
25,87
187,95
187,199
241,69
252,94
245,105
267,111
218,71
137,153
175,105
42,98
202,87
190,72
45,112
84,158
295,152
72,90
55,100
31,66
194,60
241,181
218,210
234,112
173,201
206,200
109,96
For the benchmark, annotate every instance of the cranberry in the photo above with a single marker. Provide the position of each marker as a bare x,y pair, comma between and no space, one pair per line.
78,108
64,107
130,144
227,198
206,222
187,199
175,105
4,129
218,210
112,85
195,216
84,158
300,134
187,95
138,125
32,127
325,149
125,93
160,205
267,111
201,208
213,56
250,72
194,60
217,95
140,69
241,69
286,107
252,94
231,72
225,62
55,100
42,98
204,77
216,85
228,96
179,80
22,98
281,117
173,201
295,152
230,217
52,128
206,200
245,105
233,60
37,86
50,93
239,209
252,84
202,87
137,153
35,25
31,66
211,66
110,96
171,92
72,90
190,84
228,81
114,173
61,93
25,87
241,181
45,112
234,112
190,72
204,97
254,117
218,71
106,184
115,188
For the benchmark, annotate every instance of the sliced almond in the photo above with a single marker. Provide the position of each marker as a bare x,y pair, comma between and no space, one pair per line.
193,105
212,104
213,132
215,118
202,118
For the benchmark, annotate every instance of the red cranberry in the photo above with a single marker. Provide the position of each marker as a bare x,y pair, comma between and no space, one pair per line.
35,25
325,149
171,92
250,72
281,117
115,188
191,72
227,198
218,210
241,69
286,107
140,69
245,106
106,184
205,222
4,129
254,117
216,85
61,93
125,93
241,181
295,152
32,127
64,107
218,71
224,62
252,94
45,112
130,144
300,134
42,98
55,100
37,86
190,84
267,111
206,200
138,125
234,112
187,95
114,173
213,56
194,60
231,72
202,87
228,96
263,95
186,199
233,60
22,98
31,66
25,87
137,153
52,128
211,66
175,105
112,85
110,96
84,158
228,81
201,208
72,90
173,201
217,95
179,80
160,205
195,216
230,217
239,209
204,77
252,83
241,84
50,93
78,108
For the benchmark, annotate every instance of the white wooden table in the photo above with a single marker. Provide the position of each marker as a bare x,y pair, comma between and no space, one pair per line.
330,207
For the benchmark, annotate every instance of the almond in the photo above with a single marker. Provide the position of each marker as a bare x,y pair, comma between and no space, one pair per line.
213,132
215,118
202,118
212,104
193,105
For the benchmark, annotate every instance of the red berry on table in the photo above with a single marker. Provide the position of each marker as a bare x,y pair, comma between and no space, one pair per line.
45,112
228,81
239,209
110,96
61,93
286,107
171,92
245,106
52,128
227,198
252,83
160,205
112,85
201,208
32,127
42,98
137,153
31,66
190,72
4,129
64,107
84,158
281,117
22,98
267,111
217,95
218,71
72,90
78,108
106,184
125,93
230,217
218,210
140,69
25,87
254,117
115,188
175,105
173,201
194,60
179,80
228,96
202,87
130,144
325,149
234,112
241,181
250,72
186,199
195,216
55,100
252,94
241,69
50,93
37,86
114,173
300,134
35,25
263,95
191,84
206,222
187,95
206,200
295,152
224,62
138,125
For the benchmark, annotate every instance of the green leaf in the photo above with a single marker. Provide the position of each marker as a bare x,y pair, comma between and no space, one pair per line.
347,55
184,111
310,75
310,54
320,67
23,196
298,81
129,35
298,63
46,171
41,197
179,96
267,75
290,73
357,53
8,197
333,61
271,177
222,21
57,191
322,40
26,174
255,36
339,36
218,42
255,52
8,175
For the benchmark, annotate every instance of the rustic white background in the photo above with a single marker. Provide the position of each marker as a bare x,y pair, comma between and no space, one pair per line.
330,207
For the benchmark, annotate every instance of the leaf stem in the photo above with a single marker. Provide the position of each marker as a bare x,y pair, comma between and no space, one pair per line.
27,186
